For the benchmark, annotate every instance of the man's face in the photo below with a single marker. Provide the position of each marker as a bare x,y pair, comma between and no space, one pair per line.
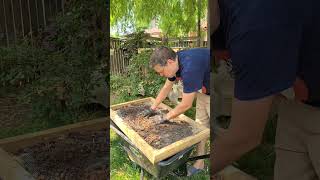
169,70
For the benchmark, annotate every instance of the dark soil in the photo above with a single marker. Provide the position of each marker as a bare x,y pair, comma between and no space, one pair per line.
78,156
154,133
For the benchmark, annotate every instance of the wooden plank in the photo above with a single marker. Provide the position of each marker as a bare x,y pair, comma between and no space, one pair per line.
11,169
153,154
13,144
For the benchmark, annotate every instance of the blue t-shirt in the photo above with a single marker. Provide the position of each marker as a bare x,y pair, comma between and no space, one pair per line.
274,45
194,70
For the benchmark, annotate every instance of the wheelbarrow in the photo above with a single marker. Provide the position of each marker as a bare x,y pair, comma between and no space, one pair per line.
174,165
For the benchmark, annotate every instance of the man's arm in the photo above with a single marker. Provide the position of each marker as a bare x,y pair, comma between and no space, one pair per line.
163,93
184,105
244,134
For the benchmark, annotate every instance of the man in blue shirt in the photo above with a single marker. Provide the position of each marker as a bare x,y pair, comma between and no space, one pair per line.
275,52
192,67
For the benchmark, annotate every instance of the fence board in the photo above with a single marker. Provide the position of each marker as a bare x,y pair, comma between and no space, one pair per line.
20,17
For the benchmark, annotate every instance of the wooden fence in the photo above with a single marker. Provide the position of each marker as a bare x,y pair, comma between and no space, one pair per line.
118,62
20,18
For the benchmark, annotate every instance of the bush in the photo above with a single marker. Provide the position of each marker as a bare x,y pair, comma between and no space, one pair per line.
139,81
58,70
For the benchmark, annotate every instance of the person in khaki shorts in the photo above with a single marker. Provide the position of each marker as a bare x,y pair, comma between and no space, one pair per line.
192,67
298,138
274,48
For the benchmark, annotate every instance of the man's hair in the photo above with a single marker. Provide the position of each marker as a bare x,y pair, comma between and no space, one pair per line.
160,56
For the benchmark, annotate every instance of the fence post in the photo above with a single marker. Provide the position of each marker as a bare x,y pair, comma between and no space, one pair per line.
62,5
21,16
14,23
37,14
30,23
44,13
56,7
5,21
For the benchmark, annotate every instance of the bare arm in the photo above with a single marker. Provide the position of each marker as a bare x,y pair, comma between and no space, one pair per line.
184,105
244,134
163,93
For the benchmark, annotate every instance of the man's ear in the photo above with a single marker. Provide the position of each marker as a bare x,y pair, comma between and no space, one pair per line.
170,61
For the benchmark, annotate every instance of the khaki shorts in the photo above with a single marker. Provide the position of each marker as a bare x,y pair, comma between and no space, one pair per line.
203,110
297,142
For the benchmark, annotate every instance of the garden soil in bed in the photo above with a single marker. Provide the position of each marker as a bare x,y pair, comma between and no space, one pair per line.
158,135
77,155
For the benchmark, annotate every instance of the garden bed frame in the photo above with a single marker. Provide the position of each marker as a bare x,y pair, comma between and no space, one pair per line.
153,154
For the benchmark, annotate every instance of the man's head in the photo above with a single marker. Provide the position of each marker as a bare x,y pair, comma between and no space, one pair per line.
164,61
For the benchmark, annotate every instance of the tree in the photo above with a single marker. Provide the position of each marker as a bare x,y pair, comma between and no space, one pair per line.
174,17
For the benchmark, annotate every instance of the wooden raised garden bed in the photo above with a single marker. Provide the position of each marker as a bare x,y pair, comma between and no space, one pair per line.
157,141
77,151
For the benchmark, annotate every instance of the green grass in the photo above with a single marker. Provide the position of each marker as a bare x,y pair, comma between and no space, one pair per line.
260,162
122,168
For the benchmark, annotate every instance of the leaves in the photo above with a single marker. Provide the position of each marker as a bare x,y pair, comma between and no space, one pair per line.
139,77
175,17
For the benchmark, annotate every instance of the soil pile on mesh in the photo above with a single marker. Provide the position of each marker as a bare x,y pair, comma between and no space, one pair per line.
78,156
158,135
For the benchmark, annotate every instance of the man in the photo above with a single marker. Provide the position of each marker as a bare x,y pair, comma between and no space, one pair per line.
274,47
192,67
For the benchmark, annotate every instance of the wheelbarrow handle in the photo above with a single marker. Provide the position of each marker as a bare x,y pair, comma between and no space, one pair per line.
199,157
120,133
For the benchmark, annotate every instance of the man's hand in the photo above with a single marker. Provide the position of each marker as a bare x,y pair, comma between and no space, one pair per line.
160,119
149,112
163,120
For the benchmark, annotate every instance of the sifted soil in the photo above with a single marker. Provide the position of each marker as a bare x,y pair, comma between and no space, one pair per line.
78,156
158,135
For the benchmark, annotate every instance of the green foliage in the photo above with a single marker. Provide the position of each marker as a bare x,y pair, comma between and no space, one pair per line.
175,17
139,80
133,42
59,70
20,64
260,161
139,77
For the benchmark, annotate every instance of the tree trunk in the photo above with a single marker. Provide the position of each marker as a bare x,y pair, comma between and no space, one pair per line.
199,24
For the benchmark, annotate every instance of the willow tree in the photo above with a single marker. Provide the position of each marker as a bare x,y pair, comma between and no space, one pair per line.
175,17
